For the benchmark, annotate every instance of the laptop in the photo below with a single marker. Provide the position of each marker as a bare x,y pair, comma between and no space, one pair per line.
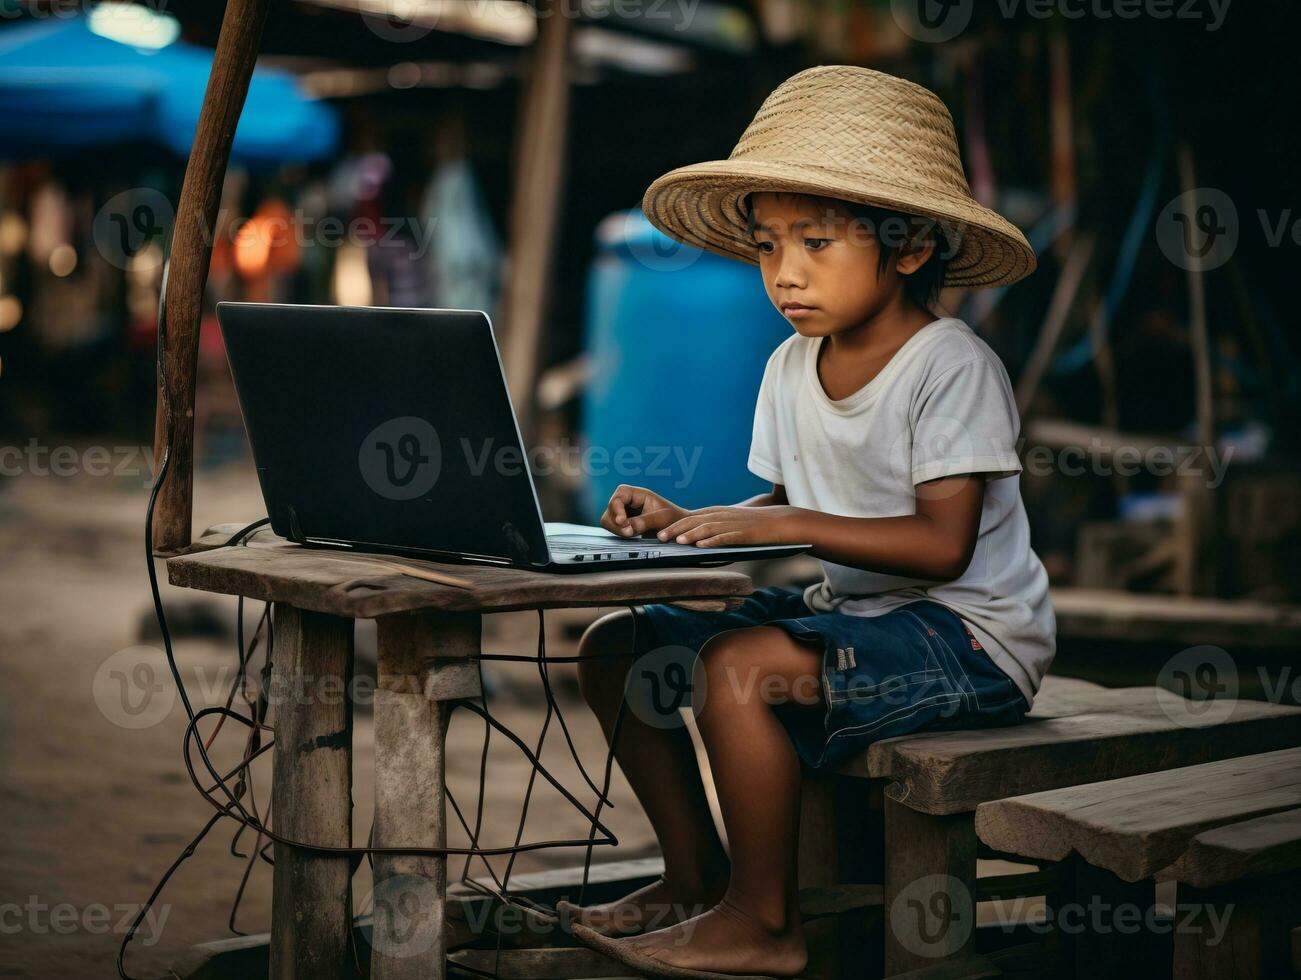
392,430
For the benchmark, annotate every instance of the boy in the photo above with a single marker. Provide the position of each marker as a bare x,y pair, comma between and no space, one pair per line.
889,437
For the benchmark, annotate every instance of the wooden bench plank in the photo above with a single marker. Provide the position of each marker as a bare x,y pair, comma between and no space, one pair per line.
1138,825
1253,848
348,584
1103,735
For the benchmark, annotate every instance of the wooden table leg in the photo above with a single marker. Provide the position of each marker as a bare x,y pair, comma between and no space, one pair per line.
930,879
311,796
422,667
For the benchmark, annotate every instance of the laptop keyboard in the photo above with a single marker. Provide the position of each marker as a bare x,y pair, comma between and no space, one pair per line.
585,552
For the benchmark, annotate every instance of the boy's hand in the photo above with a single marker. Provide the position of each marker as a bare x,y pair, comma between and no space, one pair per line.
710,527
636,510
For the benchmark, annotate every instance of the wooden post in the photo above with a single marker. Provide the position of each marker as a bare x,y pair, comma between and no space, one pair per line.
535,208
930,885
191,251
1196,567
311,793
422,667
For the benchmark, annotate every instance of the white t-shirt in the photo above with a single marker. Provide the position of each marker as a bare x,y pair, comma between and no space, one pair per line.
941,406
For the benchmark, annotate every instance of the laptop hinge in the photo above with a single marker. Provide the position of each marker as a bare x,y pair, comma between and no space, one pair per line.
517,546
295,529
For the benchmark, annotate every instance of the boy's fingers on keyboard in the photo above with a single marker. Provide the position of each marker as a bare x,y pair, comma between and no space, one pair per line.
720,539
705,529
684,523
653,521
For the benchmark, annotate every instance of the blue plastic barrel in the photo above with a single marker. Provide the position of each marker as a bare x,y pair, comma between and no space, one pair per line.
678,338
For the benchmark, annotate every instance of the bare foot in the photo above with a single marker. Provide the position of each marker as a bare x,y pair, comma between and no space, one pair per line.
653,906
726,939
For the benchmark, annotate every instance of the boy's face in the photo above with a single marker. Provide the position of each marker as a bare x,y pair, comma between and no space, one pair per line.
813,252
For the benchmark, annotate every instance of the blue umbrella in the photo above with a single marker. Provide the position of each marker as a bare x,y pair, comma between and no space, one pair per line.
62,86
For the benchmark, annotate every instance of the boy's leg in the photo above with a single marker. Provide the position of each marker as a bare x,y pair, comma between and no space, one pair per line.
756,927
660,764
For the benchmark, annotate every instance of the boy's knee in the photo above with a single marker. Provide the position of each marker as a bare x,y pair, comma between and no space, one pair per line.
761,664
604,655
725,654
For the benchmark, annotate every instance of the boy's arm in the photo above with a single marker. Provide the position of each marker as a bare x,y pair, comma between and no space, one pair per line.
936,542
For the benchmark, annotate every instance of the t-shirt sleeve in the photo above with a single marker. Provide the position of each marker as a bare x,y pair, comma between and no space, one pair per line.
966,421
765,458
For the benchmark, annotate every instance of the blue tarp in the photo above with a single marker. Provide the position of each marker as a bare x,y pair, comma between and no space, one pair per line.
63,86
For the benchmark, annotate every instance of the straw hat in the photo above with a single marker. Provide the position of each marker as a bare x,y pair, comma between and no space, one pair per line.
853,134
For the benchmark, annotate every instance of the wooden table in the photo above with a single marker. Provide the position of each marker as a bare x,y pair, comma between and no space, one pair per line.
429,635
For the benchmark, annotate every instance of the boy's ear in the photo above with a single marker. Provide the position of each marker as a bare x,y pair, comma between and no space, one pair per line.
914,255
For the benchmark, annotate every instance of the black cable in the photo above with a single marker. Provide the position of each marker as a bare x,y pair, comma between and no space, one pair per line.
235,810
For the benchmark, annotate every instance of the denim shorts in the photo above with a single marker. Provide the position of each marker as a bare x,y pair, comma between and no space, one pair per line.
914,668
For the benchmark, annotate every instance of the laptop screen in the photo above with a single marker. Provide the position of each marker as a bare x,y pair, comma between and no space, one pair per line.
383,427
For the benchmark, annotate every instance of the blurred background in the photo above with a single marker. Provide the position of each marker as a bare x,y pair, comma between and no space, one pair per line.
493,156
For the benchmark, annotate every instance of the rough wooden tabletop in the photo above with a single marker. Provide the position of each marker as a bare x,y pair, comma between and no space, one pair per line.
362,587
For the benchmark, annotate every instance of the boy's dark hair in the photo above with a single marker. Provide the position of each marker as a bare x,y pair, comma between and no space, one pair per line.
891,229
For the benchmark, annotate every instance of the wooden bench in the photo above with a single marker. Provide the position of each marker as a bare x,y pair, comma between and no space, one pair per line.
903,813
1228,832
933,783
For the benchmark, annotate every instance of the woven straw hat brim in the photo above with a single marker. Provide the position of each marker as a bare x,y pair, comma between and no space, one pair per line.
700,205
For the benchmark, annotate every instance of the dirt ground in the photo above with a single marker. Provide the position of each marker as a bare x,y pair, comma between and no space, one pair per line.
95,800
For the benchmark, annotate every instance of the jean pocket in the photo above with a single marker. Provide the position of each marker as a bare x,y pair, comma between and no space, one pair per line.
887,665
